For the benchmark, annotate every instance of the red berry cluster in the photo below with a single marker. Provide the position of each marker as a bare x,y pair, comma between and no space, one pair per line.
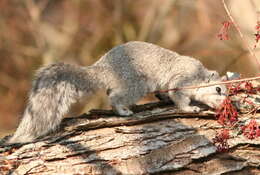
245,86
223,32
227,116
257,27
249,88
257,35
220,140
251,130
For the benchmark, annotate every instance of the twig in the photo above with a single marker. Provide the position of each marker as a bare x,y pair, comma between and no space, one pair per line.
210,84
240,33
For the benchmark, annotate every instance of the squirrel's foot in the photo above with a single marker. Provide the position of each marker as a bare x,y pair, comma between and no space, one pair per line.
123,110
193,109
20,139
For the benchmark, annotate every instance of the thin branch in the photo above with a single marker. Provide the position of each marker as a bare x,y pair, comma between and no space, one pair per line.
240,33
210,84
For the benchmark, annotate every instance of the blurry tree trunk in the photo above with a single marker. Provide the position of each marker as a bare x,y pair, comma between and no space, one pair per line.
247,22
156,140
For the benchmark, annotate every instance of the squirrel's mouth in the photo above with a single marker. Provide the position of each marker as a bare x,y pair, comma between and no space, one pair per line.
212,100
215,103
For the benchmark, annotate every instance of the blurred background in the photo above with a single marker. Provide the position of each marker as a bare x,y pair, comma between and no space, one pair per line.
34,33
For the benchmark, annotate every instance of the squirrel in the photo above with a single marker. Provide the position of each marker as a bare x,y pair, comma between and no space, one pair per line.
127,72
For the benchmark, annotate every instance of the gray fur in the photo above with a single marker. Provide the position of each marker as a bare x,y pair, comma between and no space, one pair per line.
128,72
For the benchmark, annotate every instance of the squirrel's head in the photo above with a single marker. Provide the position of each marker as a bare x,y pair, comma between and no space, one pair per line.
213,96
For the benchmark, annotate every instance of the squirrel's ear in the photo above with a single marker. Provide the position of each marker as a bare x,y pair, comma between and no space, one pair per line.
213,76
224,78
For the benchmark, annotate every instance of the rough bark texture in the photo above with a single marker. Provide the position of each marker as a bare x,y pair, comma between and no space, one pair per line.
157,140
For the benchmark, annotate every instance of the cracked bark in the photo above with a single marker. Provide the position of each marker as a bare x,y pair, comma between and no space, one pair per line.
157,140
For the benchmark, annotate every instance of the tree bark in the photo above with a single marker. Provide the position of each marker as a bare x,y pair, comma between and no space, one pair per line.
156,140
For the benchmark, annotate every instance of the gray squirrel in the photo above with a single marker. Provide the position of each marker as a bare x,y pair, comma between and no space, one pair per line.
127,72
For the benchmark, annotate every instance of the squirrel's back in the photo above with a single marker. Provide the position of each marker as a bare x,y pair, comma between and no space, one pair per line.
149,61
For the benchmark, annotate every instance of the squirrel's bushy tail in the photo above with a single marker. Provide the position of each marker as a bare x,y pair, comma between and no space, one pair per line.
54,90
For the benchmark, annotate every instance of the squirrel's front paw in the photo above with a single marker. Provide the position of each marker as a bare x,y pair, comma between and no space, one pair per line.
192,109
123,111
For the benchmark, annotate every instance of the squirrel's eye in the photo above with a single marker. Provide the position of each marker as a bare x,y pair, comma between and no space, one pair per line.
218,89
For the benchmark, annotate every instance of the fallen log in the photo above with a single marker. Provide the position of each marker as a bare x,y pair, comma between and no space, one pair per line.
158,139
